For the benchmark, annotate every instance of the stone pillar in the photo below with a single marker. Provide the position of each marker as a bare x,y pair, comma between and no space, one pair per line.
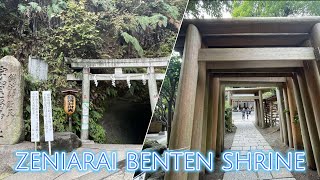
287,117
303,125
11,101
196,138
312,129
263,123
85,104
281,115
180,137
296,132
153,90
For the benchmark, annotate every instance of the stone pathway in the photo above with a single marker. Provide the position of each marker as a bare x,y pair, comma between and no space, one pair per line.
8,152
247,138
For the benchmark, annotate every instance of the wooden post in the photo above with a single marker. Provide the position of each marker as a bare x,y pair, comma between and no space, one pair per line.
153,90
205,116
219,126
180,137
198,114
287,117
315,40
296,132
223,122
303,125
210,131
213,111
312,76
281,130
312,129
256,112
263,124
281,115
85,104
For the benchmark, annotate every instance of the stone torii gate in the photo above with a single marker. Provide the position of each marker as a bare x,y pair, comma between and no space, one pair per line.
246,47
118,64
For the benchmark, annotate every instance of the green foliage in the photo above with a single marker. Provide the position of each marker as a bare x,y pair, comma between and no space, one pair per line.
96,131
166,103
130,39
270,93
275,8
228,117
214,8
27,10
54,29
169,88
152,21
79,36
296,118
56,8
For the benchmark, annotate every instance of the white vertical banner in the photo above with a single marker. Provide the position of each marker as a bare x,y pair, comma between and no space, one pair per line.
47,115
35,133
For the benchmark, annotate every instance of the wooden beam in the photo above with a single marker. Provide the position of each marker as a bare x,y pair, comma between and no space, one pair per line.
248,90
252,25
118,63
118,77
254,64
253,79
256,54
249,40
244,97
252,84
218,73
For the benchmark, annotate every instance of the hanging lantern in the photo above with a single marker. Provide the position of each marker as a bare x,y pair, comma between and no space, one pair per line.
69,104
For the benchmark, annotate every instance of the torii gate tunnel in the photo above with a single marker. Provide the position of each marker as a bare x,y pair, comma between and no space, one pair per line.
118,64
258,52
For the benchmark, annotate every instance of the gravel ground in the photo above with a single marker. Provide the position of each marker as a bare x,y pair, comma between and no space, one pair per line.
272,136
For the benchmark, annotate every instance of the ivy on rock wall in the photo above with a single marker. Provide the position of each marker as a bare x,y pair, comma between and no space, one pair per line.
54,29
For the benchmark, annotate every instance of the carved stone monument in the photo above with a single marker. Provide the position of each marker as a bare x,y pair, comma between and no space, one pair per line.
11,101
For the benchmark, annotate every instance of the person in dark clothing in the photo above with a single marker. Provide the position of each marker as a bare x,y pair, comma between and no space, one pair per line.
243,113
247,111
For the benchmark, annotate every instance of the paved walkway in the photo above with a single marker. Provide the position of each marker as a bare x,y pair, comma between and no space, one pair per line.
247,138
73,174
